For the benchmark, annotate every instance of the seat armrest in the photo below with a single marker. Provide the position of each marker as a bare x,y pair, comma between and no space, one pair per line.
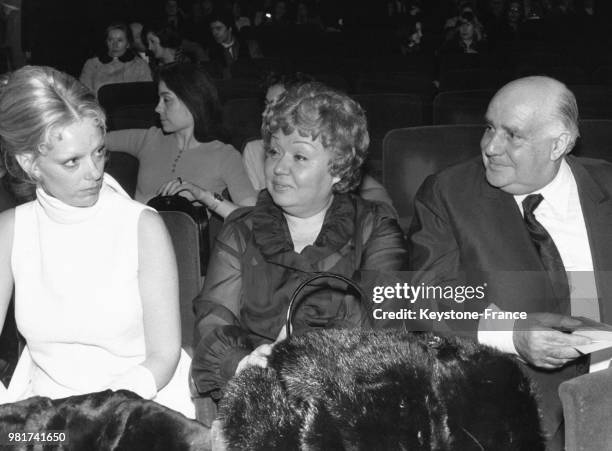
587,408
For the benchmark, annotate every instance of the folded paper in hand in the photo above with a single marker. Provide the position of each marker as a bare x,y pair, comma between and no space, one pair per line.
599,333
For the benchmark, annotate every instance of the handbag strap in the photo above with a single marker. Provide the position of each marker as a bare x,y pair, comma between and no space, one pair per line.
296,299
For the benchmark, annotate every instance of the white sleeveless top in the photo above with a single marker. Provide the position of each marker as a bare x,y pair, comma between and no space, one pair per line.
77,299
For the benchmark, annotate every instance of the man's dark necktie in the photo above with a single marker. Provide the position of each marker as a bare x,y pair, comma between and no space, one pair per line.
549,254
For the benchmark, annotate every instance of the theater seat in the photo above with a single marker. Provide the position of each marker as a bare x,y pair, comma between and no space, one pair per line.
411,154
587,409
133,116
238,88
115,95
594,101
123,167
184,233
7,200
474,78
595,139
242,118
386,112
461,107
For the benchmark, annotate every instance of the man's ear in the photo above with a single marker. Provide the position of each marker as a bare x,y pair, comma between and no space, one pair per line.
561,146
29,164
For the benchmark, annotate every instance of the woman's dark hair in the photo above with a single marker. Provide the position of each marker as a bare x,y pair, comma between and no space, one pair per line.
195,89
225,17
168,36
468,16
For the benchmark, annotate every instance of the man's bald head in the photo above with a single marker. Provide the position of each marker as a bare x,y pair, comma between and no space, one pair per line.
532,125
552,100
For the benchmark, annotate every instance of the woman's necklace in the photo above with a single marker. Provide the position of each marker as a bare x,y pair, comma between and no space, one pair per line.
176,159
179,155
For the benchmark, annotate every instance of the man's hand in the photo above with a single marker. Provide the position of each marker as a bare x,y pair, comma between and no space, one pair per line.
258,357
539,343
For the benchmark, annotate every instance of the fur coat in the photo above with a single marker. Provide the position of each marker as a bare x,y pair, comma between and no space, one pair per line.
105,421
381,390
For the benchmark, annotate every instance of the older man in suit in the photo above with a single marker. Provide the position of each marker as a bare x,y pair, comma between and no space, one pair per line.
532,225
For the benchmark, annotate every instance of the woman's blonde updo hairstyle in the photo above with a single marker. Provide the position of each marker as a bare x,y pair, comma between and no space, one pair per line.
36,103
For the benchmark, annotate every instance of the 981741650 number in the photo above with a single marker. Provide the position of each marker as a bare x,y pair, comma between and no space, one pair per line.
33,438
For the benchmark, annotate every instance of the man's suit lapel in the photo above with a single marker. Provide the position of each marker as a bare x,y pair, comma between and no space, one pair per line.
597,211
520,263
508,227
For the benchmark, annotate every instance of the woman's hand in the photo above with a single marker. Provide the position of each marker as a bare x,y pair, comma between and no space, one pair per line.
259,357
281,335
137,379
186,189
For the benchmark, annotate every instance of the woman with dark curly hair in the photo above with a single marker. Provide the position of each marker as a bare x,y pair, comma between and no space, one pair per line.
305,221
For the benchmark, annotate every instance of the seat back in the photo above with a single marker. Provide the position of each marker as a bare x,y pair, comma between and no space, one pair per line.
408,83
386,112
115,95
594,101
238,88
133,116
7,200
461,107
595,139
474,78
184,233
587,409
242,118
123,167
411,154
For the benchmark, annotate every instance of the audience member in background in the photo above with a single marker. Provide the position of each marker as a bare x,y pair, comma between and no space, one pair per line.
263,13
185,157
306,221
452,25
513,18
396,11
409,35
93,272
174,16
273,14
254,154
240,20
228,47
196,24
467,38
280,15
118,63
166,46
138,45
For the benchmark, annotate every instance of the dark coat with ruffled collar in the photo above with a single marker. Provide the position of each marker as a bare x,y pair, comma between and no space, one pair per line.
254,270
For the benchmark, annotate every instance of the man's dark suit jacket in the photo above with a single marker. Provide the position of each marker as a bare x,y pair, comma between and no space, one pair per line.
466,232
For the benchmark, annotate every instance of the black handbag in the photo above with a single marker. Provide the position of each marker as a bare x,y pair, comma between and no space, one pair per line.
296,299
196,211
